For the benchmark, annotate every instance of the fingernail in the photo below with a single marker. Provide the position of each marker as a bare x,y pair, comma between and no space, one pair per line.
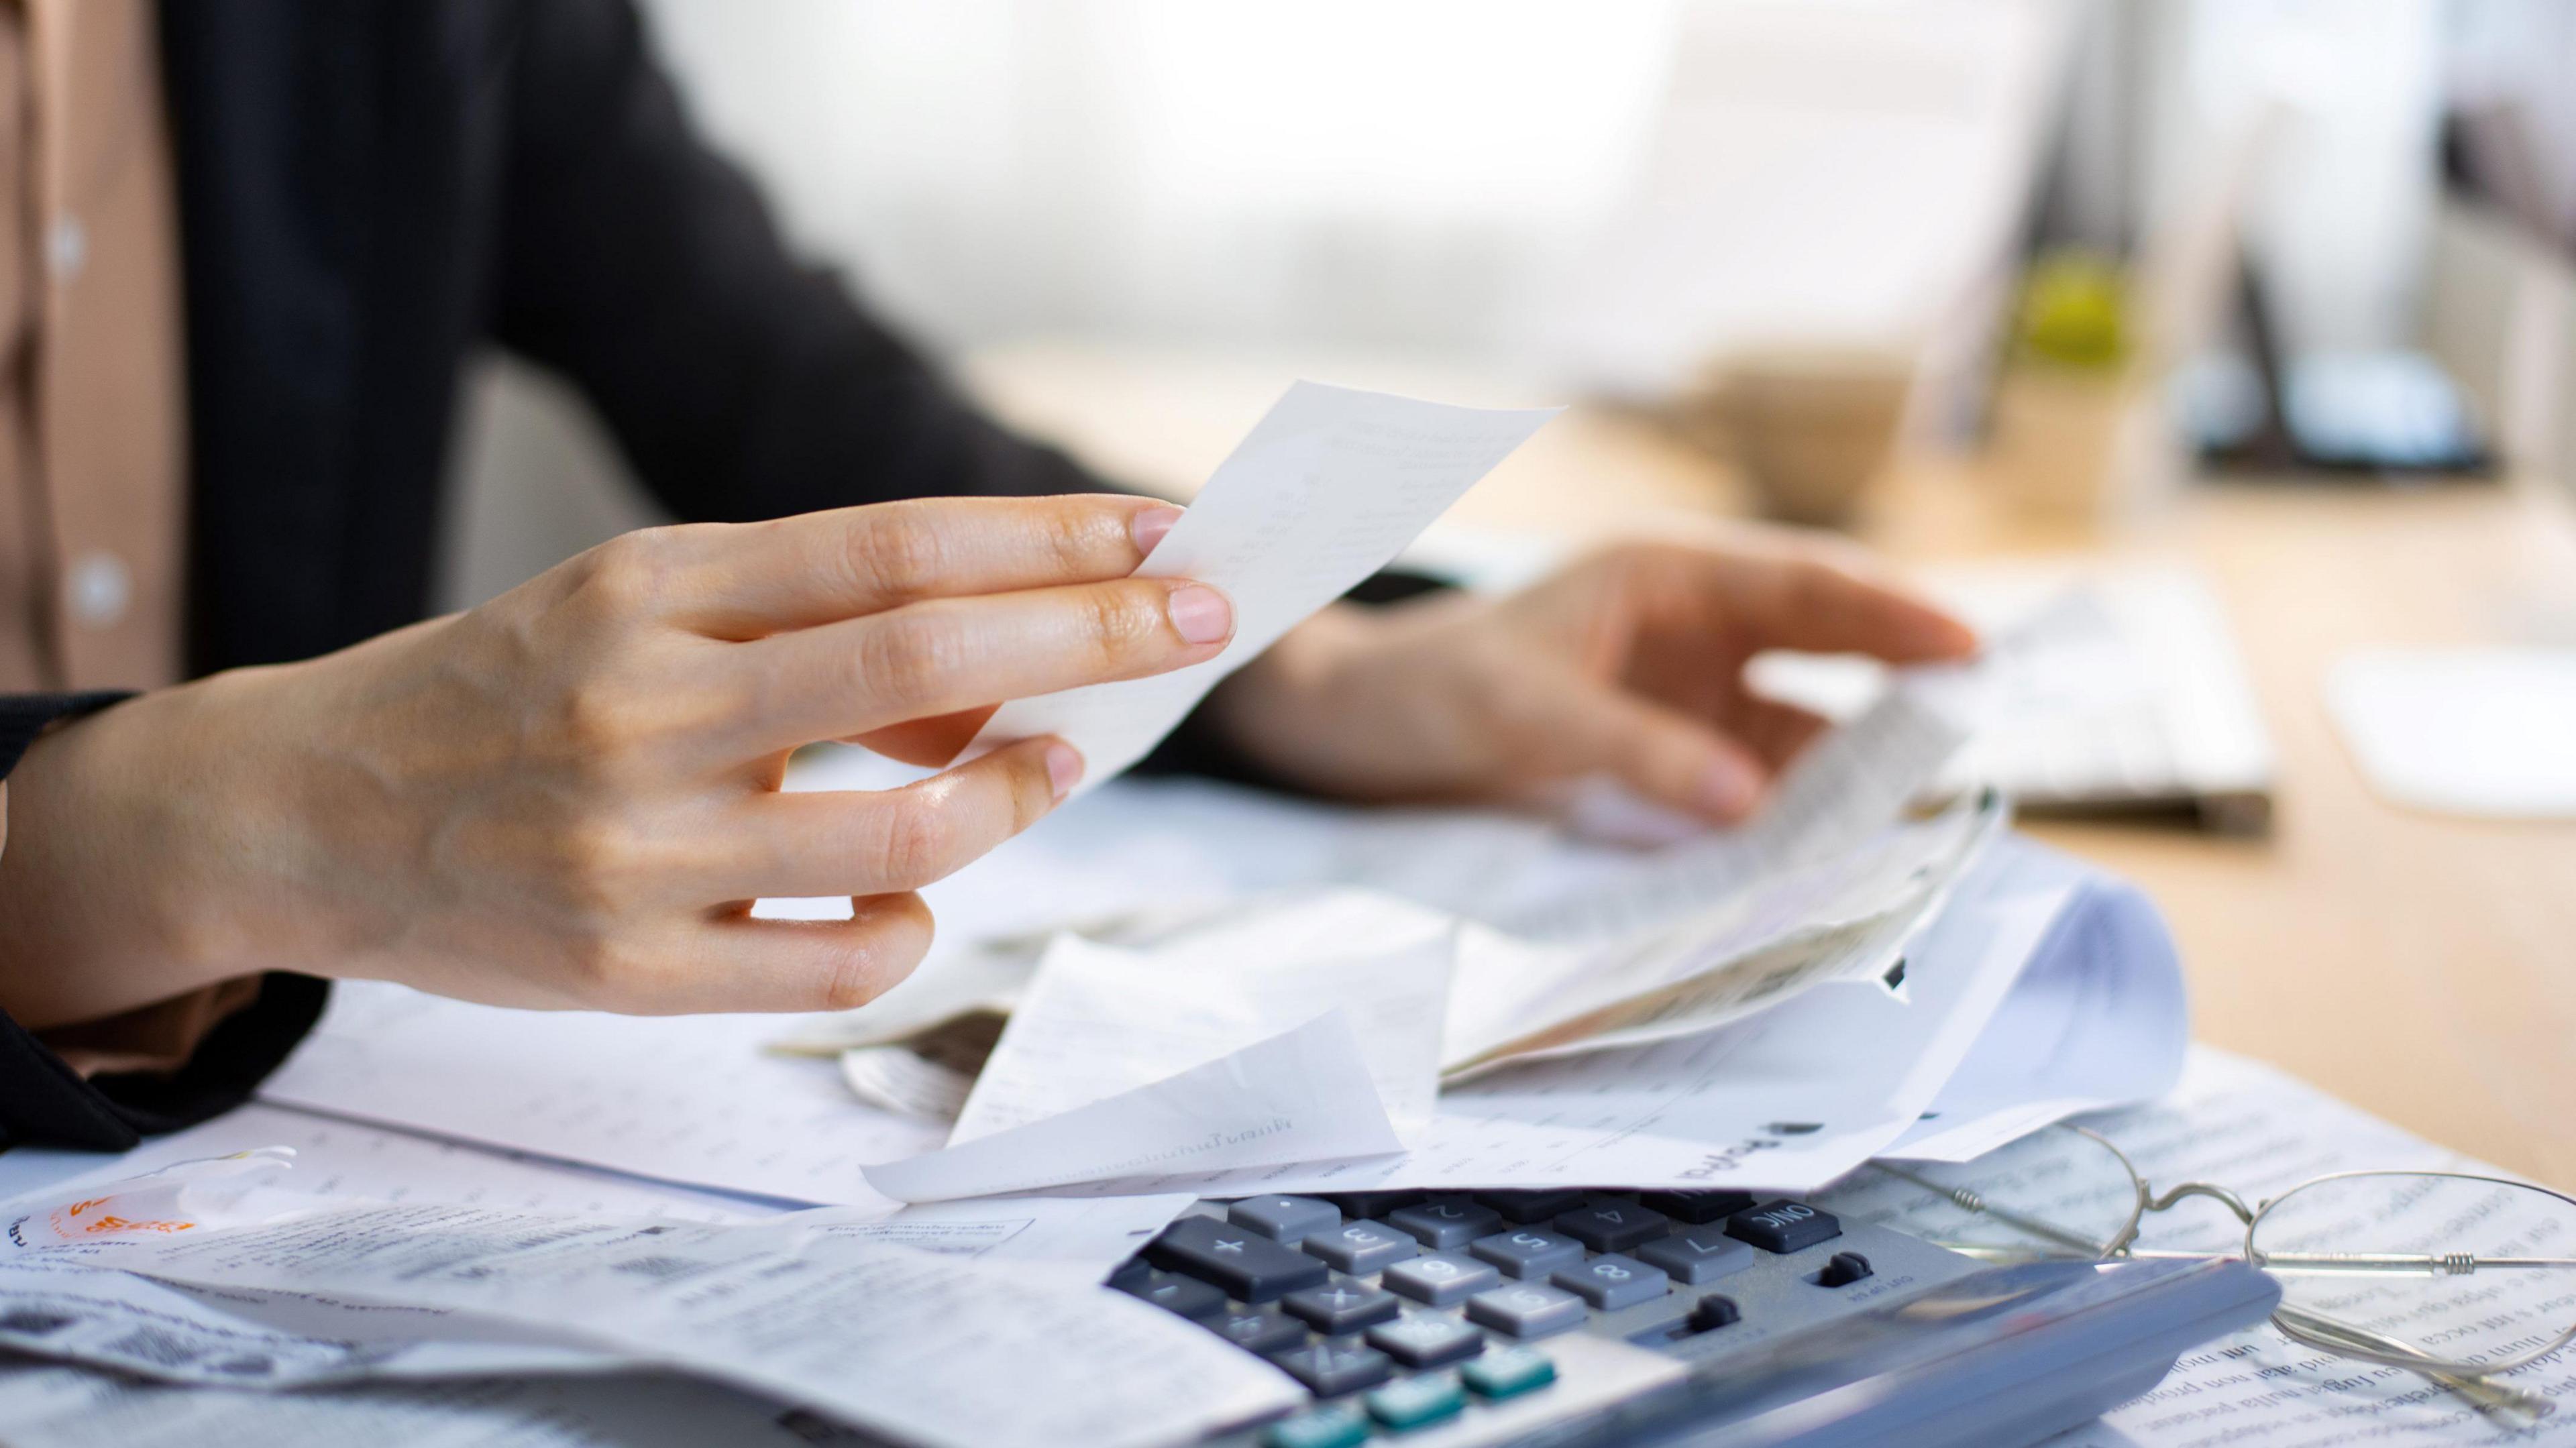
1149,526
1201,614
1064,768
1729,789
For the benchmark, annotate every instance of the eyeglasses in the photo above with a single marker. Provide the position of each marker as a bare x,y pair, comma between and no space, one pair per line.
2451,1275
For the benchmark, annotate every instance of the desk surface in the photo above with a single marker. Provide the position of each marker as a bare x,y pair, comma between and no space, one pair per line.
2423,968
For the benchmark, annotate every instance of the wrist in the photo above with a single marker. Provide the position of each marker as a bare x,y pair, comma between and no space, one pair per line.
105,904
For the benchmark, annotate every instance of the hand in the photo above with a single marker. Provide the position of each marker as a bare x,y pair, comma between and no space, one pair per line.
1629,663
569,796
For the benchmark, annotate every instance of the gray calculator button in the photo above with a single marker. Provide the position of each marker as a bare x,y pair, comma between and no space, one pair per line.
1445,1224
1186,1296
1613,1282
1524,1208
1784,1226
1331,1370
1440,1278
1337,1308
1248,1266
1427,1341
1698,1254
1360,1248
1258,1330
1284,1219
1527,1309
1611,1225
1528,1253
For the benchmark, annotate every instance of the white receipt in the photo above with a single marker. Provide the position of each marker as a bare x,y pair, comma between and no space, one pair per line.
681,1098
1302,1096
2258,1132
70,1408
339,1161
2096,1021
1844,917
891,1339
1325,490
1098,1020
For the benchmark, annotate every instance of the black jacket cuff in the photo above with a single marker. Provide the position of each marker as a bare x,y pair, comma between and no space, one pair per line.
44,1100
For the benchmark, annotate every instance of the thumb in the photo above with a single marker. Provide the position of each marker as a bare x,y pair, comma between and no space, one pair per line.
1667,756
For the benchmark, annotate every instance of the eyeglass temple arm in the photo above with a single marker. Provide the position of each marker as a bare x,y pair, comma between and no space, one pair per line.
2333,1333
2446,1264
1969,1201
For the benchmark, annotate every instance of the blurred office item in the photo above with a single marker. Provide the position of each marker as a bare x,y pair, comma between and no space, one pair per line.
2512,126
2500,313
2110,691
2378,411
1808,427
2462,731
1833,174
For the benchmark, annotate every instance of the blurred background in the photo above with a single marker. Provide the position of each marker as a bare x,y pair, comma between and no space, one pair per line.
2012,225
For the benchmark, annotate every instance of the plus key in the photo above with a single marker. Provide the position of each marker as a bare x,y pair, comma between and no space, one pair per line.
1246,1265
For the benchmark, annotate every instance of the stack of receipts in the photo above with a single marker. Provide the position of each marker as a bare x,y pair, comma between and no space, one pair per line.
1188,988
201,1274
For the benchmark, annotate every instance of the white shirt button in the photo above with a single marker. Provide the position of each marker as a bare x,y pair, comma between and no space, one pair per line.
101,589
66,247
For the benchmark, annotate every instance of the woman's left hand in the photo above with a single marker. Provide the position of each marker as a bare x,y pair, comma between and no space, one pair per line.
1629,663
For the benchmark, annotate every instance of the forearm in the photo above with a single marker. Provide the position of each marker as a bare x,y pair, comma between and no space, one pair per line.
85,926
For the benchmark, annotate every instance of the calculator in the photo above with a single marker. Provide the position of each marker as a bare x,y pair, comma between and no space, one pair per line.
1664,1320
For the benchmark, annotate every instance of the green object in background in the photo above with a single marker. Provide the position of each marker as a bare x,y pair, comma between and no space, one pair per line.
2074,306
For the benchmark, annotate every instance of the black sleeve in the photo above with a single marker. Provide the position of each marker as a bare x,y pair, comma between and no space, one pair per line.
645,268
44,1100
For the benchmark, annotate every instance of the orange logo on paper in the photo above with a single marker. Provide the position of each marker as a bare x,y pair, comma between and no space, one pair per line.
66,1221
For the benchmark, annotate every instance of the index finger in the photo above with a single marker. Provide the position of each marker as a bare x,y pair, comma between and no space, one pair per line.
1809,601
751,580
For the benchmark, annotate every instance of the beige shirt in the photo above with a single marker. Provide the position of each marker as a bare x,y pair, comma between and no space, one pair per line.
92,461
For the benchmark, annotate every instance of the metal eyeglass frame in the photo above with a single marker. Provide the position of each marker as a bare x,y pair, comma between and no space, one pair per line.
2472,1380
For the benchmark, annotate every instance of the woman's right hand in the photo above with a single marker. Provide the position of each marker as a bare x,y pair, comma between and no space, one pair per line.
570,795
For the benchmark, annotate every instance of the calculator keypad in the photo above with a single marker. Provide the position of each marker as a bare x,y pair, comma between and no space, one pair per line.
1433,1306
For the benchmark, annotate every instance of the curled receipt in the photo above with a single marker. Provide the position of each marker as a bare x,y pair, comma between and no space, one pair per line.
1325,490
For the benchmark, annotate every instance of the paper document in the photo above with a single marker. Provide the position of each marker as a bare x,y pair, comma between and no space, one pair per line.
1302,1096
1844,917
894,1340
1325,490
70,1408
1098,1020
690,1099
2258,1132
2098,1020
1787,1100
2102,687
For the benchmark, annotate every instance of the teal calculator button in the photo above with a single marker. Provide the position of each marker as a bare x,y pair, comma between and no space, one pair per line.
1339,1426
1509,1372
1416,1402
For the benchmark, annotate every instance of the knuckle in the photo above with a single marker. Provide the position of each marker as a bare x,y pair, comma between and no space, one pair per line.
597,869
1072,537
850,979
602,969
598,720
630,572
1126,623
895,556
917,842
874,956
908,654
